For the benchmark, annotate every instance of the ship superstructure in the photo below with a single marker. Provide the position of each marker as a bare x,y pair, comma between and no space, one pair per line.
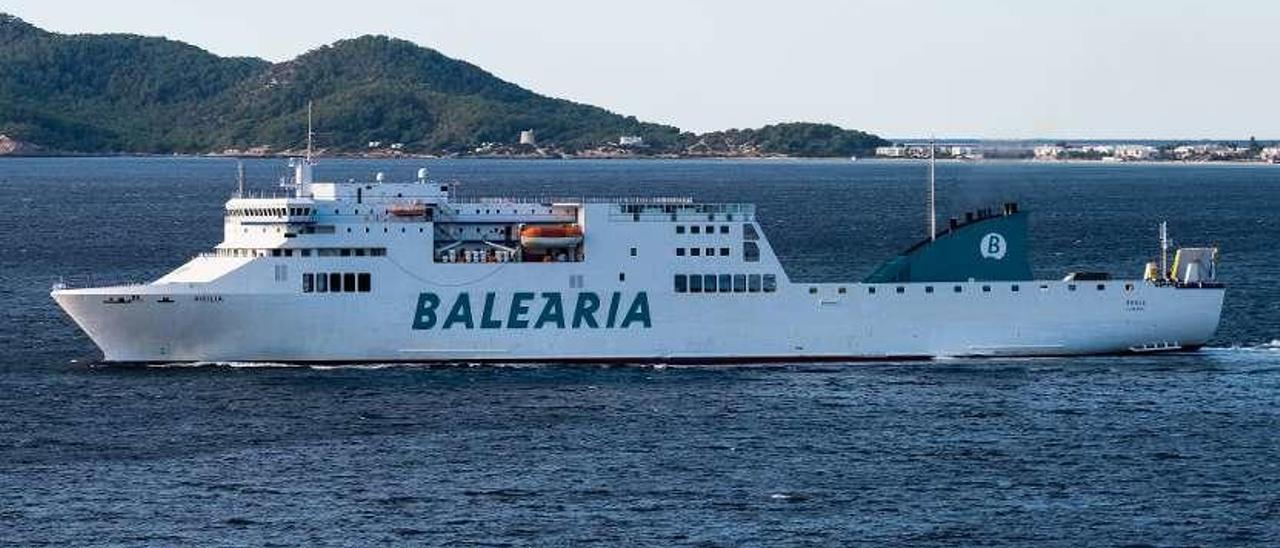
412,272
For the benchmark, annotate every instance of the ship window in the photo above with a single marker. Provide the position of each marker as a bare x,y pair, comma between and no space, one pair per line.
753,283
724,252
695,229
363,282
360,251
344,252
986,289
813,291
305,252
749,232
681,283
378,252
695,251
726,283
322,283
349,282
622,276
750,252
679,229
695,283
711,252
739,283
843,290
1102,287
275,252
335,282
308,282
1014,288
711,229
1128,287
770,283
709,283
633,252
679,251
724,229
1071,287
901,289
957,289
928,289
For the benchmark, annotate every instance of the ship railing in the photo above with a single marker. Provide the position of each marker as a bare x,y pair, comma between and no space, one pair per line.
86,281
690,212
570,200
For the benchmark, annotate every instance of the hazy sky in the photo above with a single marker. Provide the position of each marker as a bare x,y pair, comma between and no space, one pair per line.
971,68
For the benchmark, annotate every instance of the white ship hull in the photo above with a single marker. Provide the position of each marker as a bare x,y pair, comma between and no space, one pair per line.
790,324
637,288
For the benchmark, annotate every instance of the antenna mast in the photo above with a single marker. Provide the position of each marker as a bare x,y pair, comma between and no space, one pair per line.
1164,250
310,133
933,214
240,178
302,170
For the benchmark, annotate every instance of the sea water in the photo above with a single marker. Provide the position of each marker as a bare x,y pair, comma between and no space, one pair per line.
1179,449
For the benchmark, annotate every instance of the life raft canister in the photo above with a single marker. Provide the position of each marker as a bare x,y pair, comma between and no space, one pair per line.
416,209
550,237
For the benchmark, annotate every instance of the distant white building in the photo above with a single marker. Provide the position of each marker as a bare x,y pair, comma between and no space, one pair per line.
631,141
1135,152
1270,154
891,152
1209,152
527,138
397,146
375,144
1049,152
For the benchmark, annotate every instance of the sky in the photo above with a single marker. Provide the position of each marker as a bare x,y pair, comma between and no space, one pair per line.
982,69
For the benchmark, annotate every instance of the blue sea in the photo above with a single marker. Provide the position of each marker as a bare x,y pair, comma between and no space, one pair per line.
1167,450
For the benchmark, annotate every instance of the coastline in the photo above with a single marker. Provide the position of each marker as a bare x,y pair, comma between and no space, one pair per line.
651,157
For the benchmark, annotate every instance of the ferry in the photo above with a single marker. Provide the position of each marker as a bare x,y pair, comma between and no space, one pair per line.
413,271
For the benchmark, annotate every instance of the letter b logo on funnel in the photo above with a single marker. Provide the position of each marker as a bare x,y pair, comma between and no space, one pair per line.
993,246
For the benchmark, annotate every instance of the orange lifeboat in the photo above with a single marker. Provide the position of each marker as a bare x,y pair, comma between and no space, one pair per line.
407,210
550,237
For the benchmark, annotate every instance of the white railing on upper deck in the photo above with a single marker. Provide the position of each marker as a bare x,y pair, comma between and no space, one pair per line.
689,212
84,281
569,200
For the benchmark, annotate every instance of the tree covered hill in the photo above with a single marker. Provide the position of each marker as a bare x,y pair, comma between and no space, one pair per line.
127,93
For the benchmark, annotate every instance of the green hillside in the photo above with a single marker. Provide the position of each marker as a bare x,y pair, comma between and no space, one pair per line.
126,93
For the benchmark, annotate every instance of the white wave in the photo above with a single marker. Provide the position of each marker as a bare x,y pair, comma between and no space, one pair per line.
1272,346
